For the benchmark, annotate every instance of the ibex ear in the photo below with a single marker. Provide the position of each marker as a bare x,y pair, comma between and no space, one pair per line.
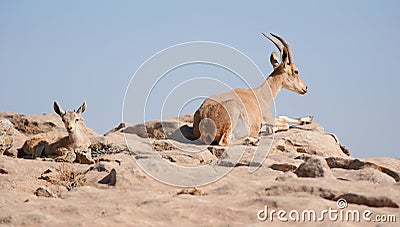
274,59
82,108
58,109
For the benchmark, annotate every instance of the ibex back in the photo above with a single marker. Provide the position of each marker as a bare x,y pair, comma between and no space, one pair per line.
240,113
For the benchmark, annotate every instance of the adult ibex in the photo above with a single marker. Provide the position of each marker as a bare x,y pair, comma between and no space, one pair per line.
241,112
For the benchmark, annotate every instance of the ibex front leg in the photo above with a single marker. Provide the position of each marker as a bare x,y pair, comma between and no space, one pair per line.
282,122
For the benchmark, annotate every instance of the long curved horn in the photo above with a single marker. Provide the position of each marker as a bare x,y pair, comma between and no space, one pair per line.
286,45
282,50
275,42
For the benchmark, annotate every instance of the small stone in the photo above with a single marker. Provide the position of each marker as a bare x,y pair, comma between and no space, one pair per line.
314,167
301,150
3,171
283,167
227,162
280,147
110,179
169,158
46,175
84,158
47,171
44,192
100,167
345,150
163,146
285,176
68,157
195,191
217,152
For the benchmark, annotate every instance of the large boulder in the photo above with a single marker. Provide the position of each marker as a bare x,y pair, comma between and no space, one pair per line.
34,124
309,139
6,139
151,129
10,138
158,129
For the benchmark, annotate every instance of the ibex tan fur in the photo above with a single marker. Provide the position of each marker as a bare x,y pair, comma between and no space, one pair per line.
76,145
241,112
71,148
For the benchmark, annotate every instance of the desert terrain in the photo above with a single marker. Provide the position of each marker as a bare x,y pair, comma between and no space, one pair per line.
306,169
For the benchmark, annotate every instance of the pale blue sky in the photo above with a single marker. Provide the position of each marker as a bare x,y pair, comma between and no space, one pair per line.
347,53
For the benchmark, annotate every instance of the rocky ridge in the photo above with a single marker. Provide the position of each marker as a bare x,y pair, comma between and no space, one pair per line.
306,168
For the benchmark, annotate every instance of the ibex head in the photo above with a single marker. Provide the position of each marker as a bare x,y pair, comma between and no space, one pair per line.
71,118
286,69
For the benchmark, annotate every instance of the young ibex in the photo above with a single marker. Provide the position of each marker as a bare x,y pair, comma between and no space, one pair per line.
241,112
74,147
71,148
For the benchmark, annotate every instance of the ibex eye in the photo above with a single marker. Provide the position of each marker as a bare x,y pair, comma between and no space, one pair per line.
77,119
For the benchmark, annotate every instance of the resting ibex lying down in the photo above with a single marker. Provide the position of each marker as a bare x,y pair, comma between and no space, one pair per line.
74,147
241,112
